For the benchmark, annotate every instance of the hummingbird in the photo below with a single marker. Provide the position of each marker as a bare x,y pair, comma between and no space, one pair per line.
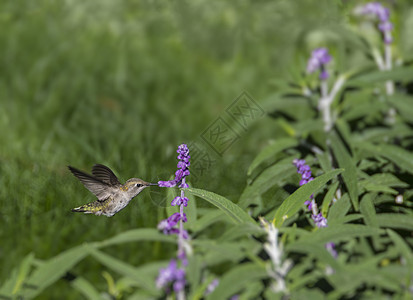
112,195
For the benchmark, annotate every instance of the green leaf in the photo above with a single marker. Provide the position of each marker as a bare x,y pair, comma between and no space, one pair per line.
86,288
228,207
399,74
295,201
15,283
348,281
218,252
271,176
346,162
236,279
316,250
191,212
382,182
391,220
53,269
345,219
402,247
403,104
340,232
135,235
402,158
328,198
171,194
339,209
362,110
193,273
241,230
144,276
382,134
325,163
270,151
368,211
208,219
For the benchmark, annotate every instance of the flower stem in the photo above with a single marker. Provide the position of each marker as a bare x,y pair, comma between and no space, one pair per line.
327,99
388,62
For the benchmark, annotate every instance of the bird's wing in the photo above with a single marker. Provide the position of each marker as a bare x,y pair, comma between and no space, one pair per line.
96,186
105,175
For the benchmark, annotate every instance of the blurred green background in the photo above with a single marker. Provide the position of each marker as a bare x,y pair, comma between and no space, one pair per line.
123,83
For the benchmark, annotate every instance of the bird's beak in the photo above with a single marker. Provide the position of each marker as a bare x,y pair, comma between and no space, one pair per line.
152,183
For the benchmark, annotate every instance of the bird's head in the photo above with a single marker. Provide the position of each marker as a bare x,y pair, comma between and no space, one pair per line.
136,185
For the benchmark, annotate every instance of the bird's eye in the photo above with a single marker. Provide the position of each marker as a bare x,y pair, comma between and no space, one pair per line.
138,185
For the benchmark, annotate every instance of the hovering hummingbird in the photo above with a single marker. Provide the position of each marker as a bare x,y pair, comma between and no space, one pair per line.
112,195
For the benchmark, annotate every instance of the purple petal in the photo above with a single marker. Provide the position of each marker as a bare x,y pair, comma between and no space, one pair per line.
170,183
179,285
184,185
303,181
173,219
385,26
324,75
176,201
184,201
162,225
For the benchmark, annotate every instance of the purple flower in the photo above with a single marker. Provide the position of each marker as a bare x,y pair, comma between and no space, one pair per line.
383,15
174,225
167,226
375,8
211,287
331,248
180,201
319,220
317,217
171,274
182,172
318,60
304,170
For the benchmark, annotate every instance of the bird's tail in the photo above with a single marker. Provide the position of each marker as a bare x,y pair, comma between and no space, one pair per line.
89,208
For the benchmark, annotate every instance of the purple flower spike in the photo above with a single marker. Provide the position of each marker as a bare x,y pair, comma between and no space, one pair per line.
319,220
167,226
383,15
171,274
317,217
182,172
318,60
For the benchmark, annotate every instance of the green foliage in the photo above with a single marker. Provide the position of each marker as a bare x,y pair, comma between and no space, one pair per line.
124,83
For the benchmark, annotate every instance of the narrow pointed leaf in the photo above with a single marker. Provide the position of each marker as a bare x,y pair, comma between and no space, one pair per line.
236,279
346,162
328,198
143,276
53,269
271,176
86,288
368,211
394,220
340,233
339,209
228,207
295,201
399,156
134,235
402,246
270,151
